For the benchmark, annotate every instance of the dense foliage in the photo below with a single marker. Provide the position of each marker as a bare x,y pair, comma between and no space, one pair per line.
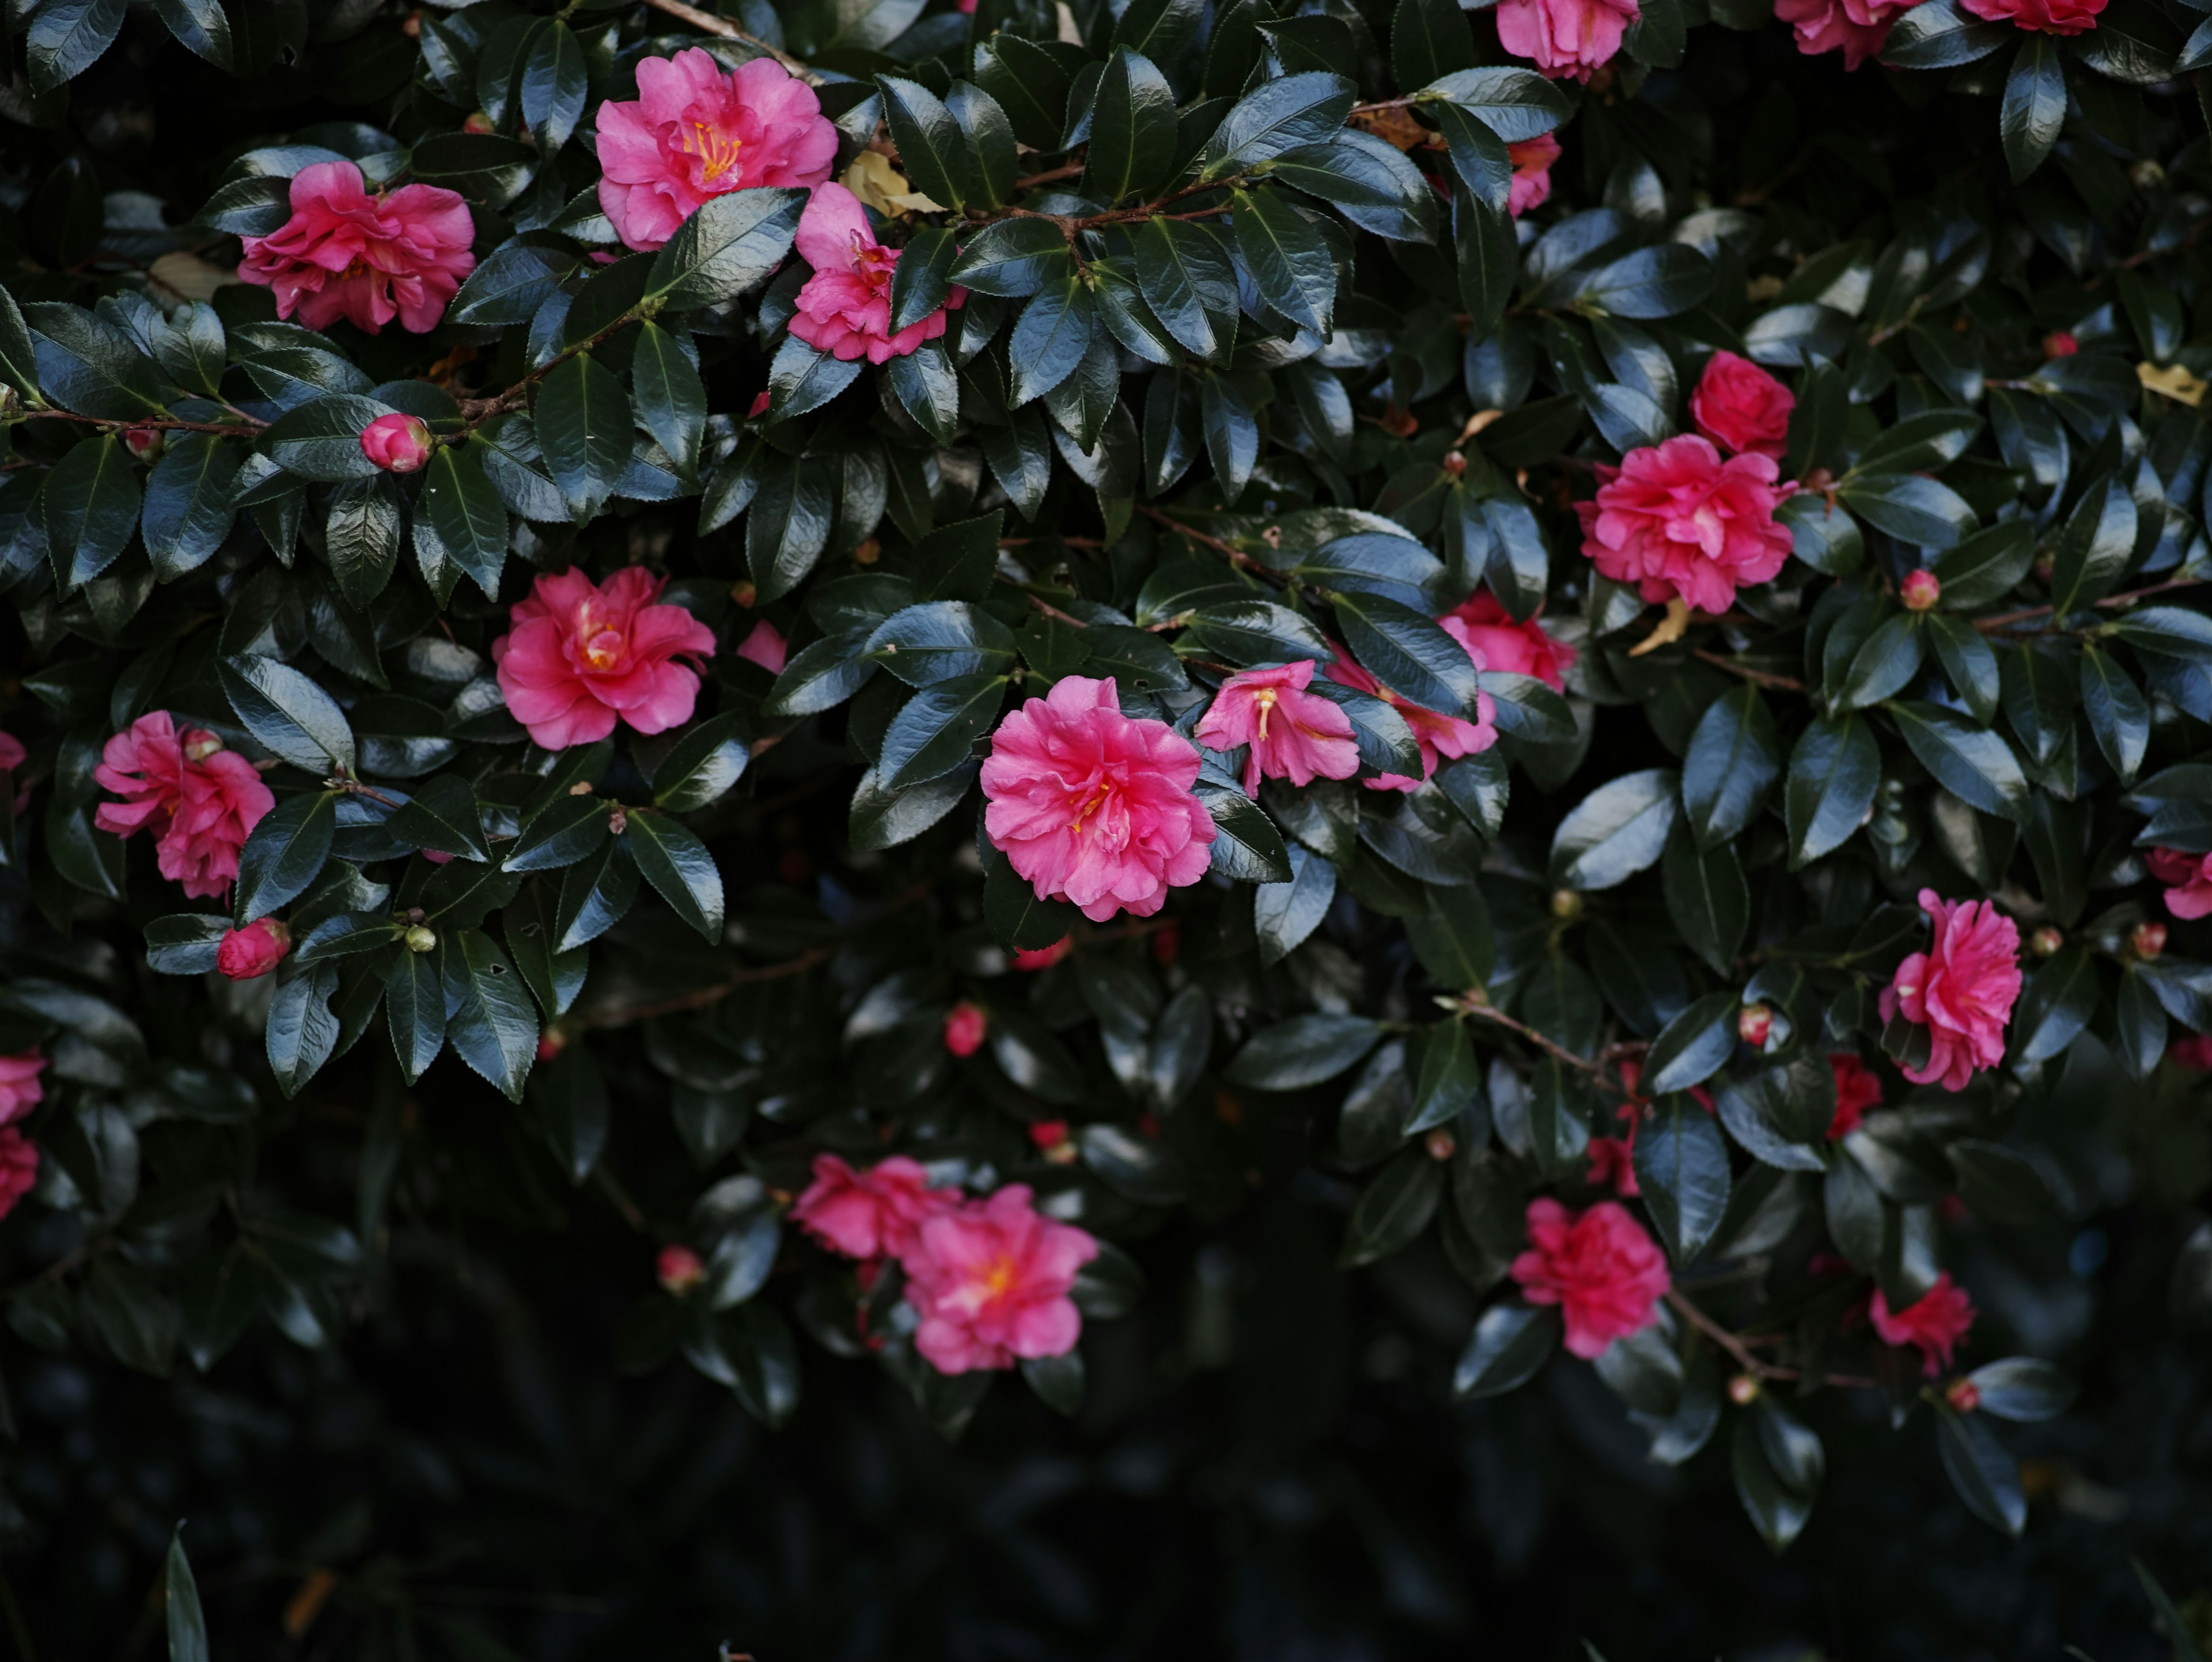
876,830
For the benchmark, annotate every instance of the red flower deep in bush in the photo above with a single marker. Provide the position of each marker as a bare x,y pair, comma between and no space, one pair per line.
991,1280
694,133
20,1088
19,1168
1935,1322
398,443
368,260
1601,1269
1437,734
2194,1053
2049,17
845,307
1740,407
678,1270
12,753
1855,27
1531,159
1857,1089
1292,734
966,1027
1961,989
1565,37
1512,647
2189,878
248,954
1093,806
871,1213
199,801
582,654
766,647
1676,520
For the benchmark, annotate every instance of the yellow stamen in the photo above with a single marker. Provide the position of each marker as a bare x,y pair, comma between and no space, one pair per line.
717,155
1084,813
1000,1276
1266,702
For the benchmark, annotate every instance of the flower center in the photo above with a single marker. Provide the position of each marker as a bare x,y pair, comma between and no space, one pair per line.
356,267
1267,702
717,153
1097,799
873,263
996,1279
603,650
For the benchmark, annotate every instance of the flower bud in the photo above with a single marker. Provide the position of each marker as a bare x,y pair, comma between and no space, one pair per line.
146,443
1051,1138
11,402
868,552
1455,462
1963,1395
678,1270
250,953
1754,1022
422,939
1167,944
411,26
2045,942
1920,590
743,593
965,1024
1566,905
1439,1144
398,443
2147,939
551,1044
1743,1390
478,122
2060,344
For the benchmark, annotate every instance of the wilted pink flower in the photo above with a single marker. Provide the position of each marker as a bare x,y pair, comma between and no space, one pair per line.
2190,878
1855,27
1437,734
199,801
764,646
581,654
1740,407
1601,1269
398,443
1857,1089
1531,159
19,1168
1961,989
1565,37
1293,734
345,254
1092,807
694,133
250,953
1677,521
1935,1322
845,307
1043,958
966,1026
677,1268
20,1088
2048,16
1512,647
991,1280
871,1213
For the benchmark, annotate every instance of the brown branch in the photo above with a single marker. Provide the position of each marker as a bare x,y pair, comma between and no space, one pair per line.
729,31
1763,677
1739,1349
714,993
2005,620
1237,555
59,1268
1473,1003
244,428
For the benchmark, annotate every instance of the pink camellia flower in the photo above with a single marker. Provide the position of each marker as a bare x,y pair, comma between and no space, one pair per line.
991,1281
2190,878
1437,734
1292,734
872,1213
19,1168
966,1026
1531,159
1935,1322
2194,1053
199,801
1092,807
1856,28
845,308
1678,521
1961,989
694,133
1740,407
1613,1160
2050,17
398,443
1565,37
248,954
581,654
1857,1089
1601,1269
765,646
366,258
20,1088
677,1268
1511,648
2058,344
1043,958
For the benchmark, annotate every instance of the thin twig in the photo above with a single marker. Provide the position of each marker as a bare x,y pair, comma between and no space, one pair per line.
1486,1011
151,423
2005,620
1237,555
1763,677
729,31
1738,1349
713,993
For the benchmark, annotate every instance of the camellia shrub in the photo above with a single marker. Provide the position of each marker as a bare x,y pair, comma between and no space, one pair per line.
1396,796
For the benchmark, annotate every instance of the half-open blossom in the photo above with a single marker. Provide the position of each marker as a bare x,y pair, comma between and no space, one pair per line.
766,647
398,443
966,1027
2189,878
1856,28
694,133
581,655
346,254
1678,521
1531,159
199,801
1599,1268
1859,1088
1512,647
1961,989
845,307
991,1281
248,954
1095,807
1436,733
1935,1322
1565,37
2045,16
1292,734
20,1088
871,1213
146,443
1740,407
19,1168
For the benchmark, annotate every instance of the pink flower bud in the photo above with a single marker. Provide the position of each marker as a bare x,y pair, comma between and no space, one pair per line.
1167,944
248,954
146,443
2045,942
1920,591
2060,344
678,1270
398,443
1743,1390
2147,939
1439,1145
1753,1023
1048,1134
965,1024
759,405
478,122
551,1044
1963,1395
1455,462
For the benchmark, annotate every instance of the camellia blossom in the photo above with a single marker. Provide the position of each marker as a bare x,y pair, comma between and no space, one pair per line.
871,1213
1531,159
1740,407
2048,16
991,1284
1935,1322
1857,1089
398,443
966,1027
695,132
1856,28
1292,734
1612,1162
19,1168
1679,522
581,654
1601,1269
1093,806
199,801
1565,37
346,254
845,307
248,954
1512,647
766,647
1961,989
1436,733
20,1088
2189,877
